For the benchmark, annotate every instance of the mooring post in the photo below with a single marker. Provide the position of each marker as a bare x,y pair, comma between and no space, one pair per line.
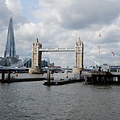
80,74
48,77
8,75
2,76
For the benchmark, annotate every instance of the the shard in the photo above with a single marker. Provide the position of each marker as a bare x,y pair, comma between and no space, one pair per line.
10,45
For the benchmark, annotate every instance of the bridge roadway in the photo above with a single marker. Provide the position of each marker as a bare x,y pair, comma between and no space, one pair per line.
57,50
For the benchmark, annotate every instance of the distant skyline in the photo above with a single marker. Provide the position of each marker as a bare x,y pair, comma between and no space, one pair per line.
60,23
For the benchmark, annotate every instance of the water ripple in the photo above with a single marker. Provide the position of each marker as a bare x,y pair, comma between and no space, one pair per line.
33,101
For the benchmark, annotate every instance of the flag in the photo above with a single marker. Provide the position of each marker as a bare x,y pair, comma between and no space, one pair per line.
99,35
113,53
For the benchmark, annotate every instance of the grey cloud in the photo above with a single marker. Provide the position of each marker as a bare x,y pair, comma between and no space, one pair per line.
83,13
79,14
78,18
4,15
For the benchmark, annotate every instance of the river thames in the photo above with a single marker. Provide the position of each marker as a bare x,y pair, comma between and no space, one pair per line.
76,101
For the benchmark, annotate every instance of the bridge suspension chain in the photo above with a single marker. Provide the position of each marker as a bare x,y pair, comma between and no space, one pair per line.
23,61
91,59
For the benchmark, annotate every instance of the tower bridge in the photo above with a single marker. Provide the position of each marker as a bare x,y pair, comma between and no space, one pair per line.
37,55
10,57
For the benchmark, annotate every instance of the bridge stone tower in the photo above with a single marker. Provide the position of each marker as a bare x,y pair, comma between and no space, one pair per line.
79,49
36,58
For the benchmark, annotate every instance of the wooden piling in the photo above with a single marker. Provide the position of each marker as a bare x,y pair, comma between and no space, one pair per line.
9,76
80,74
3,76
48,77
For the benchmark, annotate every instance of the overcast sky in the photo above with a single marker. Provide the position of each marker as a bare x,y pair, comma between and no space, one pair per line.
60,23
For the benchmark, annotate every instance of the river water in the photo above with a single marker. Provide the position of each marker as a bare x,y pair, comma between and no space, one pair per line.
76,101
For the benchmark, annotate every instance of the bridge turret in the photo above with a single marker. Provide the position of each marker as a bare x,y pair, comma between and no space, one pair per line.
36,57
79,48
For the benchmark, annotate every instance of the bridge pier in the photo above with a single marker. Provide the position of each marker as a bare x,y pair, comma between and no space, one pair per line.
34,70
76,70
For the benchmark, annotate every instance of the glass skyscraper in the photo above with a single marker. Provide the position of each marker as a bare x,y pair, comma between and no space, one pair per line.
10,45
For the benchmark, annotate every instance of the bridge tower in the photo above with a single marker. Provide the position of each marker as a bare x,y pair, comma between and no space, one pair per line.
36,57
79,49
